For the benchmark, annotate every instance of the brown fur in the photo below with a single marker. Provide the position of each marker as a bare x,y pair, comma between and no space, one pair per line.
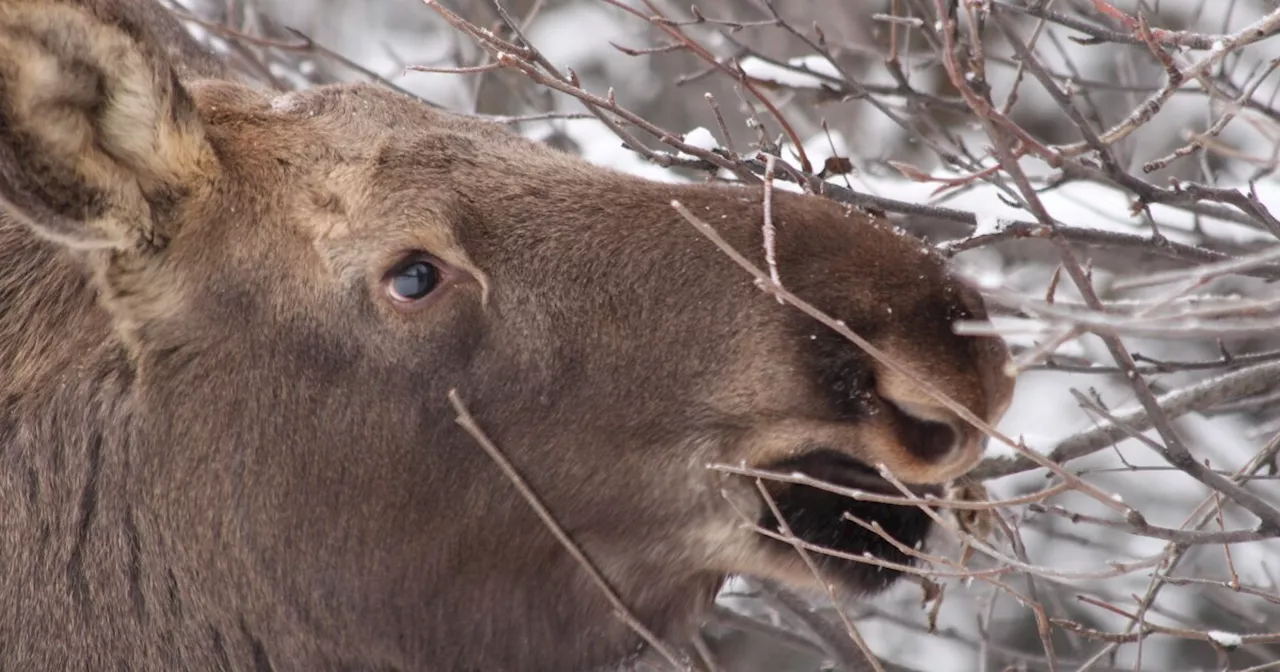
221,446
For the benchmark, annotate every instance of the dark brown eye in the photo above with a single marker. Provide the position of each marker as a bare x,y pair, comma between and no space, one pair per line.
412,280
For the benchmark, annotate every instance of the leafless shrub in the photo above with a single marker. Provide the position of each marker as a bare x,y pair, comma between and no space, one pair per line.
1105,171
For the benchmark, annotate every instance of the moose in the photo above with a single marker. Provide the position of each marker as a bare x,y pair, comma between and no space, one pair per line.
231,319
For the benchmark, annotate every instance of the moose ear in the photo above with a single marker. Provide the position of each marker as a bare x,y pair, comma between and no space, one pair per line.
95,129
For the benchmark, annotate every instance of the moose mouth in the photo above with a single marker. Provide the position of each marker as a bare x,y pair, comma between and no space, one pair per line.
822,518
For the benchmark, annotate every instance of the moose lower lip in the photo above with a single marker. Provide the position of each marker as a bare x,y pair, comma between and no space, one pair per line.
822,518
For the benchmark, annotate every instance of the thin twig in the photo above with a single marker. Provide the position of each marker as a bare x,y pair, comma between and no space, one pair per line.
620,609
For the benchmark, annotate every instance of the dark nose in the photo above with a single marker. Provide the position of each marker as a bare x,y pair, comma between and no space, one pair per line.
843,371
847,381
927,440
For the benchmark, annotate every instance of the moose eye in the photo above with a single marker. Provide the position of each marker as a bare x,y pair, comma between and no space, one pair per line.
412,280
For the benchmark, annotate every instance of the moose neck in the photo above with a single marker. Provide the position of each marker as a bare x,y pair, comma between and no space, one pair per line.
73,517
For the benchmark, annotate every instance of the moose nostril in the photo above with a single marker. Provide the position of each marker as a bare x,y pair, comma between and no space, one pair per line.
925,439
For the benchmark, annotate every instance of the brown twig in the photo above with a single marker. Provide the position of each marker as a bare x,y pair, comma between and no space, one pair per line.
620,609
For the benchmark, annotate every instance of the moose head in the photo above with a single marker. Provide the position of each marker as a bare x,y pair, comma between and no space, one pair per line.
231,320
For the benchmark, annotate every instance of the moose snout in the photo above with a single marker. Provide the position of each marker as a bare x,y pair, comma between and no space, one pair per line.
878,416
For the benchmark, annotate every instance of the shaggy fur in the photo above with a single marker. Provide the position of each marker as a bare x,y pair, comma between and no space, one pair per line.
224,447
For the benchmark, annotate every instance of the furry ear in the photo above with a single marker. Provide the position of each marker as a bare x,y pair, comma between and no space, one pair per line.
95,129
